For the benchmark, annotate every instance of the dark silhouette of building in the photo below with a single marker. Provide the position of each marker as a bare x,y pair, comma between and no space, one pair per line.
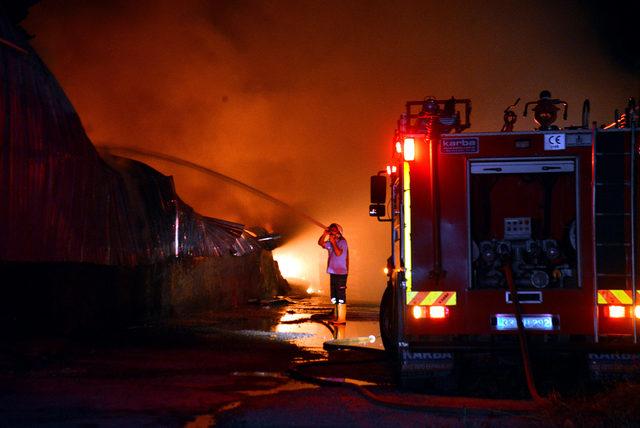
87,240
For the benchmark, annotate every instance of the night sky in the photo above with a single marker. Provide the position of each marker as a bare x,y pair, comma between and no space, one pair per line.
300,98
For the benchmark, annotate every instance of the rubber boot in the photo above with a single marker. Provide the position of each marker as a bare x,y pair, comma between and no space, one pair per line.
334,319
341,309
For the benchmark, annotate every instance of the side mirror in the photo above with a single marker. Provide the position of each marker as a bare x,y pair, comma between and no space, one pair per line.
378,189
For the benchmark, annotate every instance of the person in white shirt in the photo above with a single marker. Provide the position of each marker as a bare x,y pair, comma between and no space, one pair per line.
337,267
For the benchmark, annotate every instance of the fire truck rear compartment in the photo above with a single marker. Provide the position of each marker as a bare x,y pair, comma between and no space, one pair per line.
523,212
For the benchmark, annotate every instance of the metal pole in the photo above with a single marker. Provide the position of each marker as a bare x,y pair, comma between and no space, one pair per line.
401,289
632,157
594,257
392,215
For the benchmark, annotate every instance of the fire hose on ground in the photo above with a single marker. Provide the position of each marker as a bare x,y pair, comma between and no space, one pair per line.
522,338
421,402
418,402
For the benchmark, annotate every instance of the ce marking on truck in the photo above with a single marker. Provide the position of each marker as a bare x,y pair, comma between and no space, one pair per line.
554,142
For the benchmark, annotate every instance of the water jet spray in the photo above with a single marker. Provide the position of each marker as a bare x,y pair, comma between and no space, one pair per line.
216,174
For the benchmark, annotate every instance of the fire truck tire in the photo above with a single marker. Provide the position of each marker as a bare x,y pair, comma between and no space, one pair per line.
388,322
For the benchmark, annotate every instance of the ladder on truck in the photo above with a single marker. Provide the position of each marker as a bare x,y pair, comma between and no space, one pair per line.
615,182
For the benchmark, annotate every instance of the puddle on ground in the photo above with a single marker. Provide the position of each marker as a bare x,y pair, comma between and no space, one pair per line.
201,421
285,387
306,324
280,383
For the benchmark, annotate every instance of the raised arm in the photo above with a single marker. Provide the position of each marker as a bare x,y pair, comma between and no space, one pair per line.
323,238
334,243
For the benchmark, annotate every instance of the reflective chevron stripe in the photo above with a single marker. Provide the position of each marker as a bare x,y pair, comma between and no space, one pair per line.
431,298
616,297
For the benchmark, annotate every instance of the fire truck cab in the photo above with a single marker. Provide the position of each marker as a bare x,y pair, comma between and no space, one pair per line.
495,231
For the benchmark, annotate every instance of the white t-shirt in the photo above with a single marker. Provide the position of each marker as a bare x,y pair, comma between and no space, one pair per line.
338,264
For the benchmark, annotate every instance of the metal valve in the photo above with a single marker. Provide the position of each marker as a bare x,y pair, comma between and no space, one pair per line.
545,111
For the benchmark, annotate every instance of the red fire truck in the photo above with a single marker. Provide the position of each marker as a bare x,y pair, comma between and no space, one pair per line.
497,234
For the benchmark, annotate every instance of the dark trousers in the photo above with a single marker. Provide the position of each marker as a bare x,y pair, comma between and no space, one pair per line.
338,288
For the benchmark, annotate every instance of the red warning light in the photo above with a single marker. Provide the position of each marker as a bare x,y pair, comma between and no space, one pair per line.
398,147
617,311
409,149
437,312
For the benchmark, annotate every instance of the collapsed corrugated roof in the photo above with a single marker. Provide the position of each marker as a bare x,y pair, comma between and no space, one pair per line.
60,201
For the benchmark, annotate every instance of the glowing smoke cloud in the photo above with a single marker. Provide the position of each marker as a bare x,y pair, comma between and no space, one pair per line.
300,98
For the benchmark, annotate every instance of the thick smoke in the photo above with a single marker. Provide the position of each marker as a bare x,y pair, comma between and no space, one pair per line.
300,98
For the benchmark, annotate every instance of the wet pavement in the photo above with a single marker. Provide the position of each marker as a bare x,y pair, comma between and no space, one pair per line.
309,320
184,371
260,365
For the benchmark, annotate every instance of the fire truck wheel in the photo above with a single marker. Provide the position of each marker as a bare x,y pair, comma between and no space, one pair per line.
388,322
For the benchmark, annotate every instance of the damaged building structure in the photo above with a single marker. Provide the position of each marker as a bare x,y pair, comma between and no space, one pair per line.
90,241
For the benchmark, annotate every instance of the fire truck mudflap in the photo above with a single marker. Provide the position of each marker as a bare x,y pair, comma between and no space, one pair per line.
604,366
434,368
426,364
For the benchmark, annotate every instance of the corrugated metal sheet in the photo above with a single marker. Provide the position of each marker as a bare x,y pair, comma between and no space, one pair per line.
60,201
